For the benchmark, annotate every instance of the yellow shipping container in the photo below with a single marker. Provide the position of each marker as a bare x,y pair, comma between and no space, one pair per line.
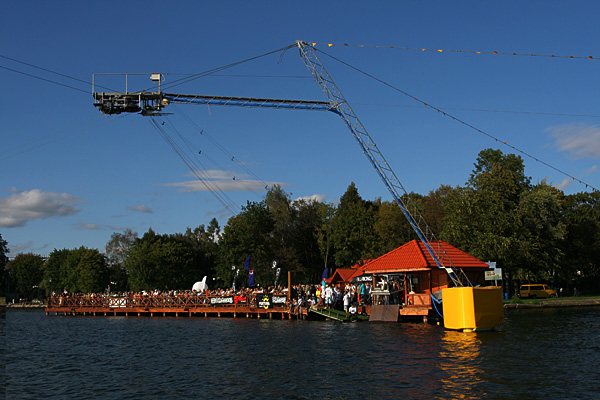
472,308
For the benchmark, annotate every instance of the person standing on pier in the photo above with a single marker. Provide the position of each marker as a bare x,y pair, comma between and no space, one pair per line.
347,298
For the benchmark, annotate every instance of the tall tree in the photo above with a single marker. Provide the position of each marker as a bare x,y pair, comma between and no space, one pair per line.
581,267
543,230
483,218
3,261
85,270
353,234
164,262
248,234
55,275
284,217
27,271
308,256
391,227
205,241
324,233
117,250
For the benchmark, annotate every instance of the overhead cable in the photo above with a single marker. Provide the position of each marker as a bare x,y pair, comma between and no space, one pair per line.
33,147
181,81
505,143
205,179
49,71
457,51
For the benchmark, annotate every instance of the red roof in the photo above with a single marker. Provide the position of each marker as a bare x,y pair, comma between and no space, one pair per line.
343,275
414,256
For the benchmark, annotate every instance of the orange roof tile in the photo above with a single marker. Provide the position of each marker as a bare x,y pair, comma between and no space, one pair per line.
343,275
414,256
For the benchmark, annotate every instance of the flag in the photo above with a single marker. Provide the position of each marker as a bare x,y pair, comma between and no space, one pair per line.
251,278
247,263
237,272
277,277
325,273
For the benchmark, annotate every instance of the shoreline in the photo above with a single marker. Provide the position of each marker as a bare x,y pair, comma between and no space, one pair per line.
509,306
555,304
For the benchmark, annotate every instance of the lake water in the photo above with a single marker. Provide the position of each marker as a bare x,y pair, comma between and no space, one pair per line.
536,354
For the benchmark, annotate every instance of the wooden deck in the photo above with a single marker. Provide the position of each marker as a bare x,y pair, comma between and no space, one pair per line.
267,306
252,306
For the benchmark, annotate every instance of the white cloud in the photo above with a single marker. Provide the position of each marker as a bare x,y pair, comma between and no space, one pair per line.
319,198
19,208
226,181
83,226
20,248
87,227
579,140
141,208
564,184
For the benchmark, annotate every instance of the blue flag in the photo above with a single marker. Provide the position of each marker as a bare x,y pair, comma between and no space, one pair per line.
325,273
251,279
247,263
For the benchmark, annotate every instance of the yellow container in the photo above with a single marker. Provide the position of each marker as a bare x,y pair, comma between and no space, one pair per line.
472,308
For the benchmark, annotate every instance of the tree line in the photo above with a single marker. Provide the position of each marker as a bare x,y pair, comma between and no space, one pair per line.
534,232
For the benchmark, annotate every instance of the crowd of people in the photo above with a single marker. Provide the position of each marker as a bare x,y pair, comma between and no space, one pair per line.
344,297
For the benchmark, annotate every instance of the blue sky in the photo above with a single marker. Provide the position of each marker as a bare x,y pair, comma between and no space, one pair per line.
71,176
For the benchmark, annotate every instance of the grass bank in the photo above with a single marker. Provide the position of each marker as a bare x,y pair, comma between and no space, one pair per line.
553,302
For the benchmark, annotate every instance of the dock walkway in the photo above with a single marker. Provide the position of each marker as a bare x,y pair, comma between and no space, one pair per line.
337,315
251,306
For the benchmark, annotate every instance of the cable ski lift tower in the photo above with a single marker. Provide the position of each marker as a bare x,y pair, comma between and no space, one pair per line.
379,163
152,103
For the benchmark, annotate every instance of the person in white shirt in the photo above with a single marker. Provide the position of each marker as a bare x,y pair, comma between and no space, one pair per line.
347,298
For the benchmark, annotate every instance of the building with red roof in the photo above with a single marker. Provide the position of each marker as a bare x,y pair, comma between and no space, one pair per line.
419,275
414,259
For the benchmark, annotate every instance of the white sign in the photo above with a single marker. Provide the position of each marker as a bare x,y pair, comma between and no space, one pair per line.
495,275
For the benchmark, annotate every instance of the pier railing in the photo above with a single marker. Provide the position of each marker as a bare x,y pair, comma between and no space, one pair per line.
183,301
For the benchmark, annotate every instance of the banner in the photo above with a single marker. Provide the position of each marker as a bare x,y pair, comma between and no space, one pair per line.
267,301
278,300
240,300
263,301
251,282
247,263
225,300
363,278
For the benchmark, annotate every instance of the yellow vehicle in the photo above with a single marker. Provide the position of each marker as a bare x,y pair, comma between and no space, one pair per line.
536,291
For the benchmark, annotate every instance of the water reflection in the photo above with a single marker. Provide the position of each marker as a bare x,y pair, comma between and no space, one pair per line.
460,361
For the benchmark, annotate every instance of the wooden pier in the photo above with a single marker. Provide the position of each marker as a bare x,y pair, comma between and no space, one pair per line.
268,306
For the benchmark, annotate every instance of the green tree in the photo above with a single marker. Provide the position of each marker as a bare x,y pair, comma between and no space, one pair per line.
284,233
307,249
543,231
54,273
27,271
117,250
85,270
435,207
164,262
205,242
353,234
323,232
483,218
250,233
391,227
581,266
3,261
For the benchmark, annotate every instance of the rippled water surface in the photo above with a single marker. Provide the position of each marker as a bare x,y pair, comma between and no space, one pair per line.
551,353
